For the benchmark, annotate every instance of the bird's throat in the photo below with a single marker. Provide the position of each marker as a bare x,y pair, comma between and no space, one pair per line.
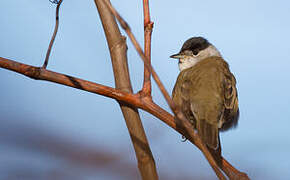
187,63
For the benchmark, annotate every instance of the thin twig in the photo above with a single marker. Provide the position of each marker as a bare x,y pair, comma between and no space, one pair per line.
54,33
148,27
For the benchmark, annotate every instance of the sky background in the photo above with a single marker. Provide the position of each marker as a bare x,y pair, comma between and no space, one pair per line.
49,131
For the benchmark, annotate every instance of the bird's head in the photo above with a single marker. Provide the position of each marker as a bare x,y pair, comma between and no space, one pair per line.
194,50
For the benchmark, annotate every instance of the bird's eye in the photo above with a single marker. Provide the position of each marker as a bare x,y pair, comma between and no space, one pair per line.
195,53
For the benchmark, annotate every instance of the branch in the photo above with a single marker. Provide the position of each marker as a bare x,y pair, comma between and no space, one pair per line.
148,26
184,124
191,134
138,48
118,51
128,98
39,73
136,100
54,33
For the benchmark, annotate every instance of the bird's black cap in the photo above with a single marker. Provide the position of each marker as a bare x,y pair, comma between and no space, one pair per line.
195,44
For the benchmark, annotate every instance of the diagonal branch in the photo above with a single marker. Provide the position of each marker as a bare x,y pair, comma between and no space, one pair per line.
136,100
39,73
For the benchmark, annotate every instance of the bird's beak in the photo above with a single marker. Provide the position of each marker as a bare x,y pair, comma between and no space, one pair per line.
177,56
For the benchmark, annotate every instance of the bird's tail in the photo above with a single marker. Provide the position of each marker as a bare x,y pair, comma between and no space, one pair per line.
210,136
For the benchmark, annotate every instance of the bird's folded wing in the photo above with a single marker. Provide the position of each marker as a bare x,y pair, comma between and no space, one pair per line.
231,112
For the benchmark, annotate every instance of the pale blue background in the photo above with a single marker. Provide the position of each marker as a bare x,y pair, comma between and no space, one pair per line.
49,131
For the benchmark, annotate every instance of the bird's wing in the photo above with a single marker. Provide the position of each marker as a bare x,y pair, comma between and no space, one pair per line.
231,112
181,98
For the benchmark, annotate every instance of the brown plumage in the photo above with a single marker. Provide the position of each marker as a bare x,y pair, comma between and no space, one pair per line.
206,93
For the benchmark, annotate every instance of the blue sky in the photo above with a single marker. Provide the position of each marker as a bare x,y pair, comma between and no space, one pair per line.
252,36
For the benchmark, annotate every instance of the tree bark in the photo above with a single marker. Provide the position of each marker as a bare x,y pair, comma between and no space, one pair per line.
118,51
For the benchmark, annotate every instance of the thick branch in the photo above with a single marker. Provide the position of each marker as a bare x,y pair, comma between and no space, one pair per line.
118,52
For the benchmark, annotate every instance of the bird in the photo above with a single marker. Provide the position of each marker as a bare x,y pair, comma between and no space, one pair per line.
205,92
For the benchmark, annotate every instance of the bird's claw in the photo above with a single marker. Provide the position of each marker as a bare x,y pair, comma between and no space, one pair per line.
183,139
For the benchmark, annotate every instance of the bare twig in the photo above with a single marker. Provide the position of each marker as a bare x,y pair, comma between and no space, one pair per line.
54,33
148,26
